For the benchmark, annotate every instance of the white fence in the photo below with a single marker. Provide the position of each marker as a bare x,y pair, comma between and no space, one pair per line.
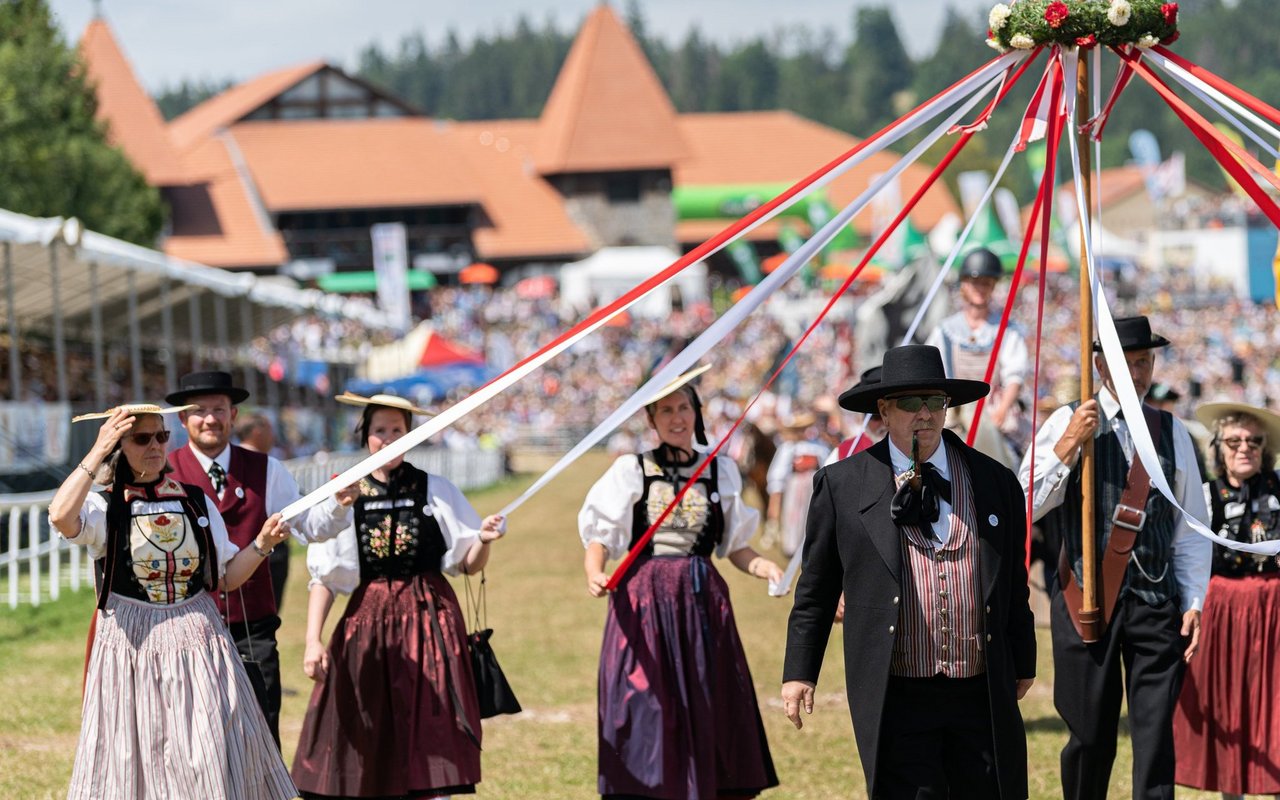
36,563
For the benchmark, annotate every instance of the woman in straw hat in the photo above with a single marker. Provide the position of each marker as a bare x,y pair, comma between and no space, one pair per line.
168,710
677,710
1227,723
394,712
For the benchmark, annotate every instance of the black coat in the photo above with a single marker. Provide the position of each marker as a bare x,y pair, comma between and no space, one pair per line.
852,545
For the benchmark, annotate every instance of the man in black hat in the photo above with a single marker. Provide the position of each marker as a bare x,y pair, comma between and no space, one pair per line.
1153,571
966,339
926,538
247,487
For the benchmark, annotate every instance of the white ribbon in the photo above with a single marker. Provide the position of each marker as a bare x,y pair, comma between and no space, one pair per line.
1216,100
485,393
1117,366
732,318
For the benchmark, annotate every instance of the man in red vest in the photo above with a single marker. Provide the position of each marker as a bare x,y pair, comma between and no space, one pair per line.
247,487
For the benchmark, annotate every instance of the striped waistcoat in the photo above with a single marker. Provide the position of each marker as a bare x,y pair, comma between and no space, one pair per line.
940,619
1150,574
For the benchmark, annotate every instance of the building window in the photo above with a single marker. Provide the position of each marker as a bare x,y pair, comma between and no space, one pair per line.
622,187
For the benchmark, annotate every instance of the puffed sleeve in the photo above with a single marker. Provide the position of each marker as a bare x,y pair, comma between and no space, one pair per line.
221,539
606,513
335,562
459,522
740,519
93,526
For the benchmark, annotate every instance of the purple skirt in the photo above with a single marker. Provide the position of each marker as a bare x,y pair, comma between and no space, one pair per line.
678,718
397,713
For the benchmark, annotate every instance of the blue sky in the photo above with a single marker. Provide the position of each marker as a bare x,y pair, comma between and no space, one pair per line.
169,40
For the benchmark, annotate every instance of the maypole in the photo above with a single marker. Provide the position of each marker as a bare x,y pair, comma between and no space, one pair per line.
1091,623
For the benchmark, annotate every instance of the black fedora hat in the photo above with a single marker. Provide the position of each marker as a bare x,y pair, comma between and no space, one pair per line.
910,367
1135,334
194,384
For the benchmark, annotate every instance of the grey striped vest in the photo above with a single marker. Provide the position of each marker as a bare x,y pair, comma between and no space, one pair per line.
1151,579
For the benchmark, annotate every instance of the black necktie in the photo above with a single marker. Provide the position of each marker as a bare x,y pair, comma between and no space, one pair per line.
218,476
920,508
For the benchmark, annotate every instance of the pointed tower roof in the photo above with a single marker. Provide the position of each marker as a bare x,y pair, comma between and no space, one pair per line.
133,122
608,110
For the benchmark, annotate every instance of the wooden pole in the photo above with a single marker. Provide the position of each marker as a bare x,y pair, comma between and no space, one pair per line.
1090,615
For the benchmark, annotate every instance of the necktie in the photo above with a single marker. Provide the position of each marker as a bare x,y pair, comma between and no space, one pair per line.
920,508
218,476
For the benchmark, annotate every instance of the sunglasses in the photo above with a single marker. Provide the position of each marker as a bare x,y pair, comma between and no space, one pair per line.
913,402
144,439
1252,442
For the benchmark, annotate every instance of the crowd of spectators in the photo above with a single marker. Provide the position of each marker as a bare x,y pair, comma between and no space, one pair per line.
1222,348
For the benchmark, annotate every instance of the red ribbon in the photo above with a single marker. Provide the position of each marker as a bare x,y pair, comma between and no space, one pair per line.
1045,203
1095,125
625,565
980,123
1231,90
1224,151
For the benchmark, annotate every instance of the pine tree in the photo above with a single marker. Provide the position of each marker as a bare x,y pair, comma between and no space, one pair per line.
54,156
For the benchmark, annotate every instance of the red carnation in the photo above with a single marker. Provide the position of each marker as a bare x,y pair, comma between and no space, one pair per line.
1086,41
1057,13
1170,11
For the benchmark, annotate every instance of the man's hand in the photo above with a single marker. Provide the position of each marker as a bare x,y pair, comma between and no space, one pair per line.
1024,686
1191,628
794,695
1083,424
840,609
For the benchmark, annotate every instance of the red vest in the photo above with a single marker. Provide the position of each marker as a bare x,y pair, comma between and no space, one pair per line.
244,508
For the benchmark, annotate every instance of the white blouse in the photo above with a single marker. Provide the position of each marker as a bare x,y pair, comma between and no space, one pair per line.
607,512
93,526
336,562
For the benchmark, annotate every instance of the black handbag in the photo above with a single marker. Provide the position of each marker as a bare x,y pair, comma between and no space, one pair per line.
251,665
492,688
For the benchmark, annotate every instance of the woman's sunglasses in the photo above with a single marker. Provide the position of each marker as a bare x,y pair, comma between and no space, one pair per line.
144,439
913,402
1253,442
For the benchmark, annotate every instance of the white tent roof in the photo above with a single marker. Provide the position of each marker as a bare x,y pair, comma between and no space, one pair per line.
32,246
611,271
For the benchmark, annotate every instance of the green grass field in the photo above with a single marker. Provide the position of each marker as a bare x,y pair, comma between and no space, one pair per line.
547,639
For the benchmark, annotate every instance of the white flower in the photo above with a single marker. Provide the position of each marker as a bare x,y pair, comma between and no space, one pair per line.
998,17
1118,13
1022,41
995,45
1147,41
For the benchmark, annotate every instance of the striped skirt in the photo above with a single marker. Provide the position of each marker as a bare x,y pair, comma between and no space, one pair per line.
169,711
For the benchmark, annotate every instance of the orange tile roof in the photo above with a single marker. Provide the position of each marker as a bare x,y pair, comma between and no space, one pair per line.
133,122
607,110
233,104
329,163
528,216
242,239
782,147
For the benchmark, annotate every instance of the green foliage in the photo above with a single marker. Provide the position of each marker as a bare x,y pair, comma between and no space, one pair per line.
1108,22
174,100
54,157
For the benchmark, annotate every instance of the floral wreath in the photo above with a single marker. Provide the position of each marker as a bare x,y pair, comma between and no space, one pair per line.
1024,24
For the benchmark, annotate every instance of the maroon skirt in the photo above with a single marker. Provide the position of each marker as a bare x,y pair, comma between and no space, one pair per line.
678,718
1226,729
397,715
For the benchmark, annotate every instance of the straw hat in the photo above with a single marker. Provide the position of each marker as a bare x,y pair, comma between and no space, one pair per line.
1209,413
133,408
383,400
679,381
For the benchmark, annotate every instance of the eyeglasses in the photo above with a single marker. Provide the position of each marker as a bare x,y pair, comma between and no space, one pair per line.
912,403
1252,442
144,439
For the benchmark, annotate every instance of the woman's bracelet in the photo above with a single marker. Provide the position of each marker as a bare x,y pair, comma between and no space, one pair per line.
259,550
87,471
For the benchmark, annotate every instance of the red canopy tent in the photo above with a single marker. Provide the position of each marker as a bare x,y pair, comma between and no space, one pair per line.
439,352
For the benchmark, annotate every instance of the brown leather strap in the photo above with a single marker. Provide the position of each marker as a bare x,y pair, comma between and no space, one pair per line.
1127,520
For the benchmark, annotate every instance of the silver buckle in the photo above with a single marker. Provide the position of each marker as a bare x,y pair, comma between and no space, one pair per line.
1129,510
